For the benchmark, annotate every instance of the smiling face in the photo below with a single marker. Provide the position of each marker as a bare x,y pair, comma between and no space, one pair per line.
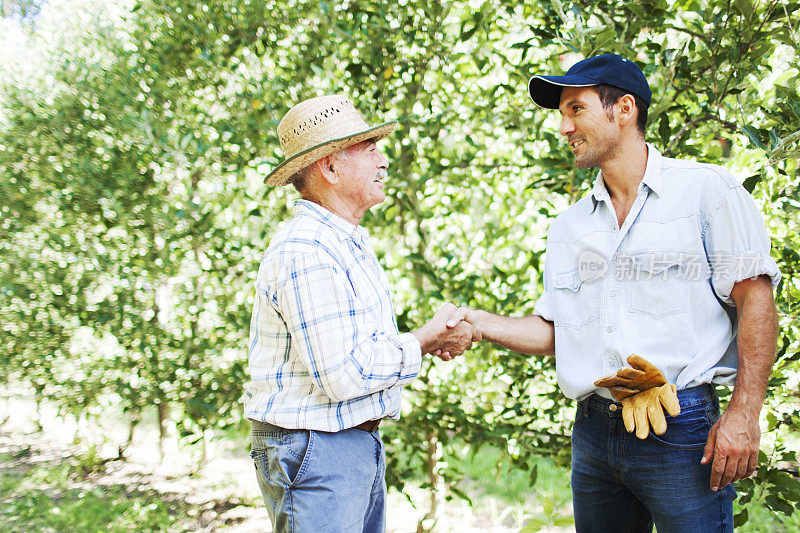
592,131
361,174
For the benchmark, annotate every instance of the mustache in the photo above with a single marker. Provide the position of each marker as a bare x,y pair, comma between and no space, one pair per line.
382,174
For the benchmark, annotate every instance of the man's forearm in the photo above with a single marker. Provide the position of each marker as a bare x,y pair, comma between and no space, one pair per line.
733,442
530,335
757,338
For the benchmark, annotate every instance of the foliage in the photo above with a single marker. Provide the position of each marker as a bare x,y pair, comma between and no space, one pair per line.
50,498
133,213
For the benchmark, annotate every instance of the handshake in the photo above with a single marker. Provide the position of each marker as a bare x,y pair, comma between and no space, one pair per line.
448,334
641,387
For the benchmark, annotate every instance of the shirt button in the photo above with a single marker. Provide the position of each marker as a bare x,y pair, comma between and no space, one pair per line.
613,407
610,329
613,294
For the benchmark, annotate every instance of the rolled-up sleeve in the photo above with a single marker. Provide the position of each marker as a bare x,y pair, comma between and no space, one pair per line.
736,242
544,305
331,330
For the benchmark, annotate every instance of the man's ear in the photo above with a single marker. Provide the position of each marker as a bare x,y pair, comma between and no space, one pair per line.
626,110
326,169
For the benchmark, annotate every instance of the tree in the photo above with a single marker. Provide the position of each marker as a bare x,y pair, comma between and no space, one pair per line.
133,210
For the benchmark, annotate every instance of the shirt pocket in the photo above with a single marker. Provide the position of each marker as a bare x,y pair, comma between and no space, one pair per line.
657,287
577,302
367,290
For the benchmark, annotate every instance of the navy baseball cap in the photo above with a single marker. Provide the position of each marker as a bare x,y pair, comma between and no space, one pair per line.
610,69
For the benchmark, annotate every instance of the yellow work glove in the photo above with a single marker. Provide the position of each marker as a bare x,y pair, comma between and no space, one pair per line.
644,393
646,408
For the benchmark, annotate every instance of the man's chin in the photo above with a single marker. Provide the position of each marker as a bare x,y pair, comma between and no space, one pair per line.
583,162
378,199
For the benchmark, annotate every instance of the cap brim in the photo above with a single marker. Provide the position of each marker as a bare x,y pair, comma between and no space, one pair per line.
282,174
545,91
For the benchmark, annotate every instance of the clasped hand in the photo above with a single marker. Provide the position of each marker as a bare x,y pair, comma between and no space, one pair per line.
446,342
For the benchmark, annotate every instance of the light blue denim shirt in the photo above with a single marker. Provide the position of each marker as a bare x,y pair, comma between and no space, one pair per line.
659,286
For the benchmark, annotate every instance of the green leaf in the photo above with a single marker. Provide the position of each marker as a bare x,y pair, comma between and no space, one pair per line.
664,131
461,494
533,475
740,518
750,183
754,135
533,526
563,521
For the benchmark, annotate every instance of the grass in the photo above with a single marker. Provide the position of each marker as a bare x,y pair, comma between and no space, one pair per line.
764,520
489,468
54,497
508,494
64,495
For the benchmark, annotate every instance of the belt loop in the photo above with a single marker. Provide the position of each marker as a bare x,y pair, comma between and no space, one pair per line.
582,410
714,396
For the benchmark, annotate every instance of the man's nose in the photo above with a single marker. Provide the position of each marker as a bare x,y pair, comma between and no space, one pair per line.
567,126
383,161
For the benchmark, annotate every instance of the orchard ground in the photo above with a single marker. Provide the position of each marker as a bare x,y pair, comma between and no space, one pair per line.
51,481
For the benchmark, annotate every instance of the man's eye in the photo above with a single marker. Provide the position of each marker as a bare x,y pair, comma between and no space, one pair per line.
576,108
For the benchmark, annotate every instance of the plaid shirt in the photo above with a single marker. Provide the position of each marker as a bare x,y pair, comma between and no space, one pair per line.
325,352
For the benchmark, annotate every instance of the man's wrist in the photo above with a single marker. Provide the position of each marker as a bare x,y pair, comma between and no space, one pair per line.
748,407
478,319
424,337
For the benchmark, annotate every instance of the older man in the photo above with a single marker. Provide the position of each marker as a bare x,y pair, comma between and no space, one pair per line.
663,258
327,362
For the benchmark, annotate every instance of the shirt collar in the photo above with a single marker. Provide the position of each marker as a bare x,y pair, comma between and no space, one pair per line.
652,172
341,227
652,177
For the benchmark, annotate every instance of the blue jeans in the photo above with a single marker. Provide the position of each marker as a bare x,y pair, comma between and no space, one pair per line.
314,481
623,484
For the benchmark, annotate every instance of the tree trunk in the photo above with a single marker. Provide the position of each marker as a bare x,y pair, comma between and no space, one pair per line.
80,422
163,418
6,410
204,445
135,418
432,457
38,399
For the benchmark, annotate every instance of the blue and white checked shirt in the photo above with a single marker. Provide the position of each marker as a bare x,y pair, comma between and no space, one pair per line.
325,352
659,286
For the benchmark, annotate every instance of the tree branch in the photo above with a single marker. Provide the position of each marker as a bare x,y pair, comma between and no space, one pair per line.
708,117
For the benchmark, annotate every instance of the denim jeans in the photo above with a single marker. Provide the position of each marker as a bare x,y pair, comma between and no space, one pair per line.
313,481
623,484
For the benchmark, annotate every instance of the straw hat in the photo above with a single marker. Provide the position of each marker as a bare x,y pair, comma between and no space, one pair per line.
317,128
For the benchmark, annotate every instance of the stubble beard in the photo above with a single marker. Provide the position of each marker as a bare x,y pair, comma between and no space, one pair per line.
588,159
594,157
